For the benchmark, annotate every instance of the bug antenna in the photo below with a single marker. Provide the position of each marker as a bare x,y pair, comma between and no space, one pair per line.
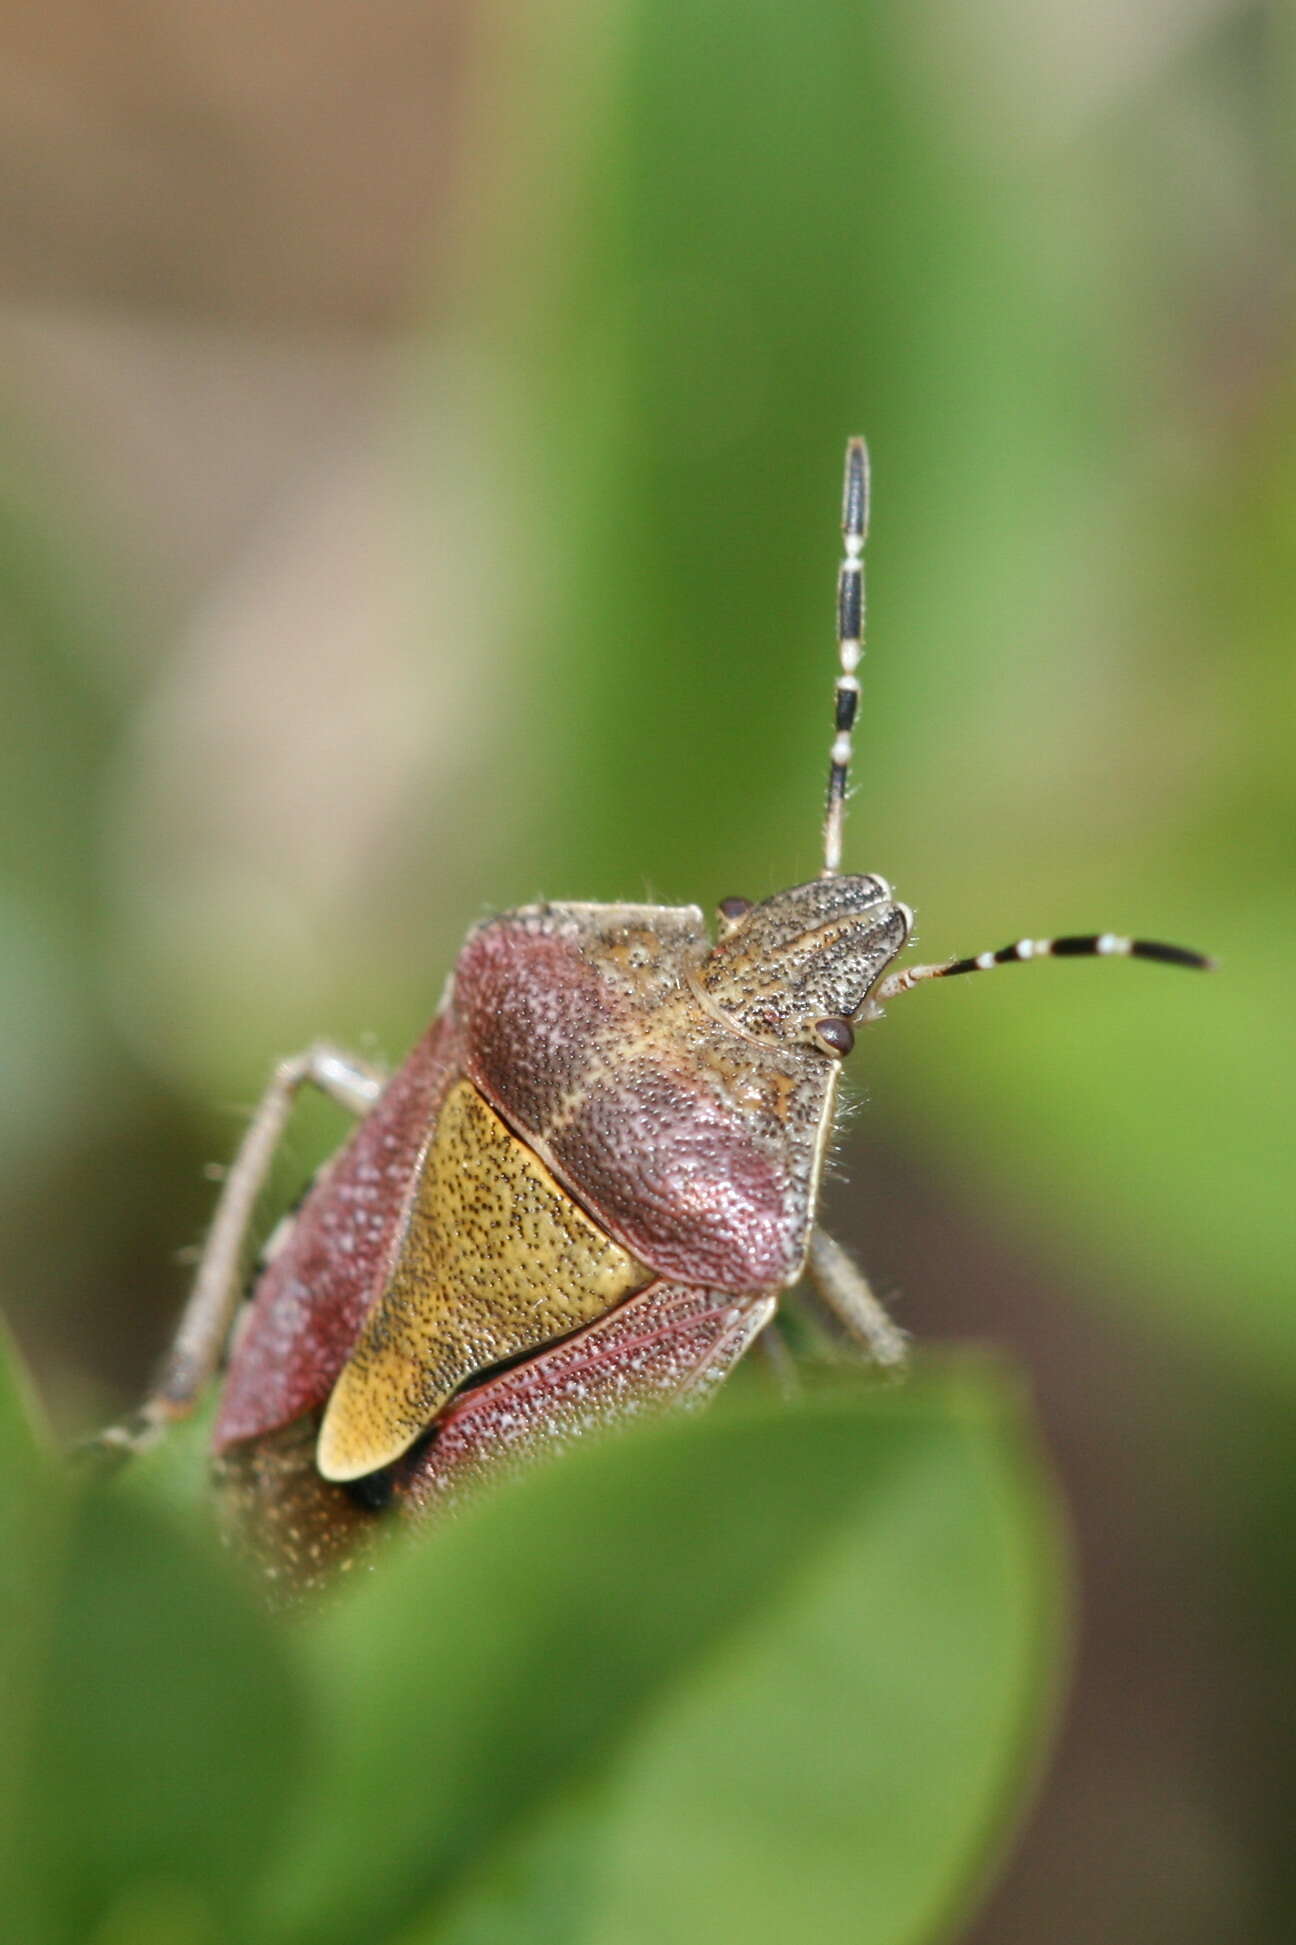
850,646
1089,945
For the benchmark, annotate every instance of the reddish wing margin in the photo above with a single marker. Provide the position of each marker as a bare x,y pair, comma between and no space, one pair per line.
314,1296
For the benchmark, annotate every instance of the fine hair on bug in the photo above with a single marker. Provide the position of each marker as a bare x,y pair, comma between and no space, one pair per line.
580,1197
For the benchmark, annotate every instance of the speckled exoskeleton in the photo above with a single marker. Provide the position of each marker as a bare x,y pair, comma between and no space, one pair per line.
581,1196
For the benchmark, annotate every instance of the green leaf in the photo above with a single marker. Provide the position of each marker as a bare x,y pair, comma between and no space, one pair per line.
855,1759
756,1630
166,1737
539,1886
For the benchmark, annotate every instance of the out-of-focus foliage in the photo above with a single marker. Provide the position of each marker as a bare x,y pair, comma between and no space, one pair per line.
776,1667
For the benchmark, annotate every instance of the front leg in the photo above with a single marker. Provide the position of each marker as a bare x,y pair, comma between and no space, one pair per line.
205,1322
843,1289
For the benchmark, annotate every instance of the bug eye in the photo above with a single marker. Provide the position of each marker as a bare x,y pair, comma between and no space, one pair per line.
835,1036
733,910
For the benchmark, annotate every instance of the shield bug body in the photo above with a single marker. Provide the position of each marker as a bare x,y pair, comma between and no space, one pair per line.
580,1196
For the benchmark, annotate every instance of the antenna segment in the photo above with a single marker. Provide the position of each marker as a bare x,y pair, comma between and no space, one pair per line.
1089,945
850,646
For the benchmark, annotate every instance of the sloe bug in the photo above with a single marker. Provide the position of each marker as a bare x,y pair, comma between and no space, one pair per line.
580,1196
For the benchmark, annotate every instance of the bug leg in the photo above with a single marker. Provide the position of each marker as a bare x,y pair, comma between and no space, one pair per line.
205,1321
779,1361
844,1291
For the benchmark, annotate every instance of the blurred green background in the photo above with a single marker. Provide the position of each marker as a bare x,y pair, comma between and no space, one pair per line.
418,491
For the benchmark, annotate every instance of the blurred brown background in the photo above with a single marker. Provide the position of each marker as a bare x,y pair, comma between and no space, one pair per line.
418,471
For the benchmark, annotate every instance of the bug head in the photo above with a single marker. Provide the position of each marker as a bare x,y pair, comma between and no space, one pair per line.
800,965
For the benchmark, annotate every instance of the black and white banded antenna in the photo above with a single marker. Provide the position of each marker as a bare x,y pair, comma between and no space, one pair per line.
850,647
850,651
1082,945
